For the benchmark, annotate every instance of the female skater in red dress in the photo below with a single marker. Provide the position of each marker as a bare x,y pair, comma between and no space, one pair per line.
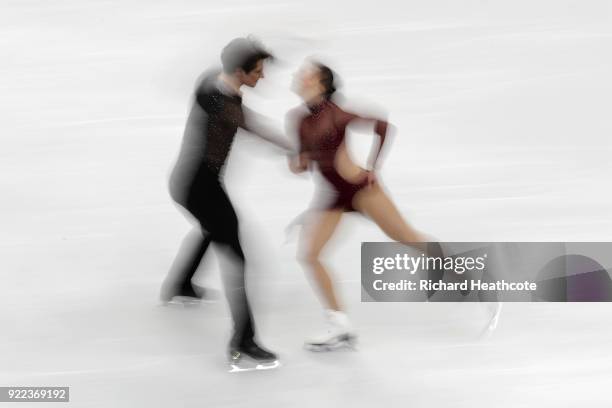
321,135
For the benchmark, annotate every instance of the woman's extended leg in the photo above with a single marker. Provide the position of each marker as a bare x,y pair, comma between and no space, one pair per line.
374,202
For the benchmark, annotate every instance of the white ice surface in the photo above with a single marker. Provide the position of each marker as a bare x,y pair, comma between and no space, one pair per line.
502,110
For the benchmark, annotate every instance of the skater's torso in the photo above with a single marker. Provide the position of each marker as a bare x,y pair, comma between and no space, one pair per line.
322,138
215,117
322,133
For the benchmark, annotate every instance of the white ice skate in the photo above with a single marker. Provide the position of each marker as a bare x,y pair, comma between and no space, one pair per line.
339,334
492,325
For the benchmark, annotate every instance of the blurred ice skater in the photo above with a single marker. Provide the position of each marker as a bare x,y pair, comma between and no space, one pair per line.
321,134
196,185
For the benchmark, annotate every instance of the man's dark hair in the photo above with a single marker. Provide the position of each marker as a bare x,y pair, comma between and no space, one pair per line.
242,53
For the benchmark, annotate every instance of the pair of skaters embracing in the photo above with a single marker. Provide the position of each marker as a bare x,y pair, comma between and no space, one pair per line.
196,184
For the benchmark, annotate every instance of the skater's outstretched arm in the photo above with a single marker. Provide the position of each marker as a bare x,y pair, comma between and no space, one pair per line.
260,125
381,128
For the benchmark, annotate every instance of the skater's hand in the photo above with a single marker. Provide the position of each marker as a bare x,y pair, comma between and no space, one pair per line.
297,164
370,177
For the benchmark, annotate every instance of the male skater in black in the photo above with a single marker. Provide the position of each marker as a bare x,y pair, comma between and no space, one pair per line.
196,185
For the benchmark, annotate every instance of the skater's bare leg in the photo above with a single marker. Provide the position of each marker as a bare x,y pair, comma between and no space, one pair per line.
374,202
313,239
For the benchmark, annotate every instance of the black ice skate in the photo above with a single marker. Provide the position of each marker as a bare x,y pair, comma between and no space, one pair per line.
251,357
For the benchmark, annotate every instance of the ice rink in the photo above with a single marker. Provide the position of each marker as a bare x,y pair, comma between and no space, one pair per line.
502,135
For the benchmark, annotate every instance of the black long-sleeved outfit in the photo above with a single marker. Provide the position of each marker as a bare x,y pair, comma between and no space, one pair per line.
196,185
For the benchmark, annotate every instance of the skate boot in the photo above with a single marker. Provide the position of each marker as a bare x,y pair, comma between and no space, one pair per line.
493,322
250,357
339,334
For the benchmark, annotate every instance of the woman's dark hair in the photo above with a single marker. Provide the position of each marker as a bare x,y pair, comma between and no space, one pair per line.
326,76
242,53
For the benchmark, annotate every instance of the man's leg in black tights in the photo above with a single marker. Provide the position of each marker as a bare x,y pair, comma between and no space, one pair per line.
216,214
185,265
233,277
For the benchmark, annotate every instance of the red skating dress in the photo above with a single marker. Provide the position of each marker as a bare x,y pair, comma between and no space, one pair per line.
321,134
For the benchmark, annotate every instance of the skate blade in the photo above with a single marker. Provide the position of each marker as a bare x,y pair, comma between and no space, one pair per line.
186,302
242,368
488,331
344,343
180,305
